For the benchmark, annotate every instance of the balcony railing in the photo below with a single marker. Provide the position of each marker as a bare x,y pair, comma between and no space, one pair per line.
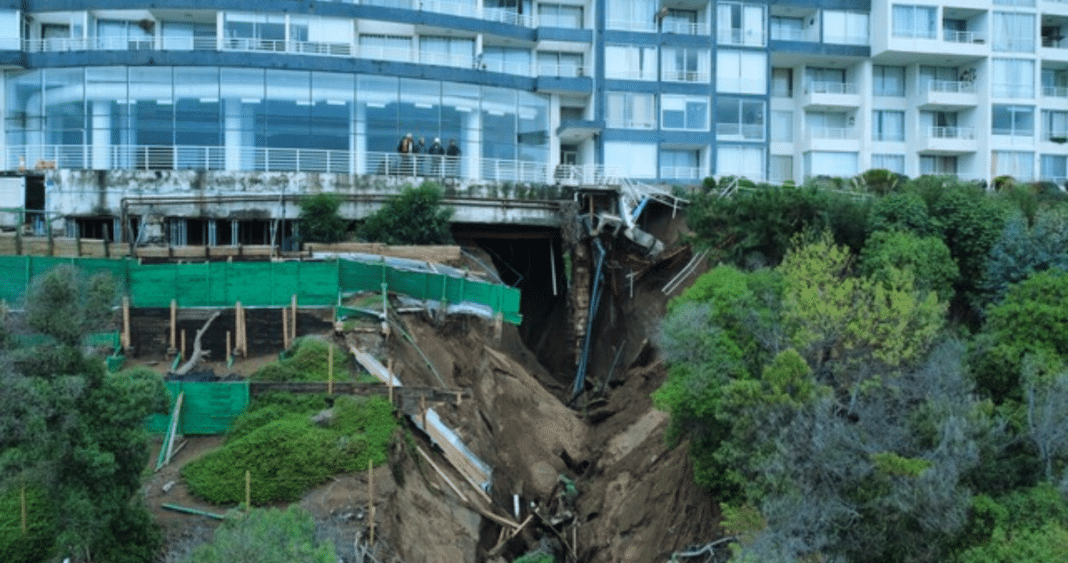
680,172
683,27
942,132
740,131
1055,91
580,174
632,25
962,36
950,86
832,132
280,46
1059,137
561,70
142,157
739,36
789,34
685,75
830,87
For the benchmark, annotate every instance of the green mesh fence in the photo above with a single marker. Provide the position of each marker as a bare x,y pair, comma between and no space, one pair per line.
207,408
262,284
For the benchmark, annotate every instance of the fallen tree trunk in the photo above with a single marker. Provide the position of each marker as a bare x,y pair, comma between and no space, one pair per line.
198,352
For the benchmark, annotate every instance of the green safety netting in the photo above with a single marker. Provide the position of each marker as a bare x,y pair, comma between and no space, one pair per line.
207,408
263,284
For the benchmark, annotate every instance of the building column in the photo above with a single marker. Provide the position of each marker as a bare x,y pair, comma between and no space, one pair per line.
237,123
100,140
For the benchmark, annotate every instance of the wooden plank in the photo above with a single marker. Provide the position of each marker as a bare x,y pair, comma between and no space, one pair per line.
454,488
173,427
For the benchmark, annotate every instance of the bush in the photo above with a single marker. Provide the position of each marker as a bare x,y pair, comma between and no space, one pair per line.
16,547
319,219
308,360
286,452
413,217
266,536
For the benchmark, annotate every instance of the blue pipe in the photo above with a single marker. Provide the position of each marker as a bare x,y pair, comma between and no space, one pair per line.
595,298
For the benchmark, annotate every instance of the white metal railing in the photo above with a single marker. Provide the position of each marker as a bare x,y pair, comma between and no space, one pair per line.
445,59
632,25
789,34
944,132
740,131
962,36
631,74
494,65
951,86
739,36
832,132
830,87
1055,136
845,39
281,46
449,8
680,172
563,70
587,174
184,157
387,53
1055,91
630,123
683,28
1054,42
504,15
684,75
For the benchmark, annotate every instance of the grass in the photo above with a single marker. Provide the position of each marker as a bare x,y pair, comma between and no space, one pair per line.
308,360
286,453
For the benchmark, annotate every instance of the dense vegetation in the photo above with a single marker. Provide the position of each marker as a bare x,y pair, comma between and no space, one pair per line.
415,216
266,536
71,437
880,375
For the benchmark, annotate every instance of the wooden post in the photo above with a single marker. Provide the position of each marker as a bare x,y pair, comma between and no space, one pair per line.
330,370
285,328
228,348
22,498
371,500
174,325
389,380
181,352
242,335
293,326
248,490
422,411
125,322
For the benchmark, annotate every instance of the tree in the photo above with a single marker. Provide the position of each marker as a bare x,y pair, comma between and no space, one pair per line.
71,430
903,211
319,219
927,258
266,536
414,217
63,305
1025,248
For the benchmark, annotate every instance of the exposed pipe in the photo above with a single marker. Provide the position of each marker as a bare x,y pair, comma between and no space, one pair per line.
595,297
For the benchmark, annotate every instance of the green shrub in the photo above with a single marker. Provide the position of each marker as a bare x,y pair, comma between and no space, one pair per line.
266,536
307,361
319,219
16,547
286,453
536,557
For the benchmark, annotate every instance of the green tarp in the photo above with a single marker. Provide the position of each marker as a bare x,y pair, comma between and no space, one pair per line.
208,408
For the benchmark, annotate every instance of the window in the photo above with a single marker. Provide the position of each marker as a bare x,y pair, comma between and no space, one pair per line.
741,72
123,35
1014,32
787,29
446,51
386,47
1055,126
739,118
915,21
1055,83
828,163
938,165
828,81
680,164
781,169
891,162
682,22
631,15
628,62
847,28
684,113
1013,78
888,125
1018,121
782,82
634,160
9,29
560,15
1054,168
630,111
740,24
1018,164
946,79
506,59
560,64
828,125
943,125
746,161
1024,3
888,80
782,126
684,64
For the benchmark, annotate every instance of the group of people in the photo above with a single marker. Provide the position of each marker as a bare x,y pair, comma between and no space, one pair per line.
419,160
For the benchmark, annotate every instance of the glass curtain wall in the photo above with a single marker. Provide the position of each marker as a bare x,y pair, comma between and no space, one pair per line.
255,119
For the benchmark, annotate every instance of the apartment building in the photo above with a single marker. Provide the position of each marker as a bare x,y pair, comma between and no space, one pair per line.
669,91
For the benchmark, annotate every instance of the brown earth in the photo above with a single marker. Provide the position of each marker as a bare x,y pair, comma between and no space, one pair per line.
636,500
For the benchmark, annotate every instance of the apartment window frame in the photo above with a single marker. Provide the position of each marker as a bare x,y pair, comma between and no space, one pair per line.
914,21
683,113
747,118
888,161
1014,33
566,16
621,61
1020,120
855,27
1055,125
888,81
888,125
680,63
740,72
1012,78
741,23
629,111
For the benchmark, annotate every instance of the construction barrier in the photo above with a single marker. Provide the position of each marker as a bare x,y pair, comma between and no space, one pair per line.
267,284
208,408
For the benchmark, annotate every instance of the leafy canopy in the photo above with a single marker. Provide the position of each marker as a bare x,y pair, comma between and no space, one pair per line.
416,216
319,218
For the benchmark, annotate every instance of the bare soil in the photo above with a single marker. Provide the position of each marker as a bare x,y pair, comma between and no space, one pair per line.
636,501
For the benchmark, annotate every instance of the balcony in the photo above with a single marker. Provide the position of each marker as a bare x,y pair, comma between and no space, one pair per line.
965,37
743,37
680,173
683,27
949,140
948,94
1055,91
684,76
831,95
831,139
